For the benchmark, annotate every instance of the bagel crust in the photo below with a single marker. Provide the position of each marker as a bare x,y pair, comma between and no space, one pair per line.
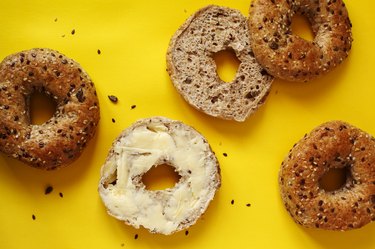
290,57
152,142
334,144
61,139
192,68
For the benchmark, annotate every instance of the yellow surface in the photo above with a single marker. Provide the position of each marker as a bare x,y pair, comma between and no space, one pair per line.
133,37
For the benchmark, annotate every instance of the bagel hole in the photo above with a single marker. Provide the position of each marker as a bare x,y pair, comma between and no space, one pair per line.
160,177
42,108
301,27
227,64
334,179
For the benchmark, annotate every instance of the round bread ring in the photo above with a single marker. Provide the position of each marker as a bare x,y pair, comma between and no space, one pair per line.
335,144
151,142
290,57
192,68
61,139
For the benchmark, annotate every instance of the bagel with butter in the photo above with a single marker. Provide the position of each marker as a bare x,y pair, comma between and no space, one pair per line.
152,142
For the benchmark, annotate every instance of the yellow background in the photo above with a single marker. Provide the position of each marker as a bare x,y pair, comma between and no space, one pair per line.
133,37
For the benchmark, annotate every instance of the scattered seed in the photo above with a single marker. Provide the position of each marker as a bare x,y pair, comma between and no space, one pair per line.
113,98
73,32
136,236
186,232
48,190
133,106
232,202
99,52
225,154
61,195
248,205
33,217
113,120
55,19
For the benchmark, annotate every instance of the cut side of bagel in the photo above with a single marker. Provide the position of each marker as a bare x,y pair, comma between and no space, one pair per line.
152,142
193,70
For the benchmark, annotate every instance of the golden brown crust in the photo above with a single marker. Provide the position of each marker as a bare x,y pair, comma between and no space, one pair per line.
290,57
331,145
192,68
62,138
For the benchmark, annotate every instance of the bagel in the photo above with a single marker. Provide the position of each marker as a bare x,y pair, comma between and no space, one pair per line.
61,139
192,68
290,57
151,142
332,145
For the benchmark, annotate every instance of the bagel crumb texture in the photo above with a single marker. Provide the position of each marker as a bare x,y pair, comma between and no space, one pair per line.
152,142
290,57
61,139
192,68
334,144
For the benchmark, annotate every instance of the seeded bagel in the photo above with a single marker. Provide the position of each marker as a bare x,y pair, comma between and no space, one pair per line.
332,145
61,139
192,68
290,57
152,142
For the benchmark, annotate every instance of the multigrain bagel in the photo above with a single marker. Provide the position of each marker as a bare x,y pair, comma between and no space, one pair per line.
192,68
335,144
152,142
62,138
290,57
